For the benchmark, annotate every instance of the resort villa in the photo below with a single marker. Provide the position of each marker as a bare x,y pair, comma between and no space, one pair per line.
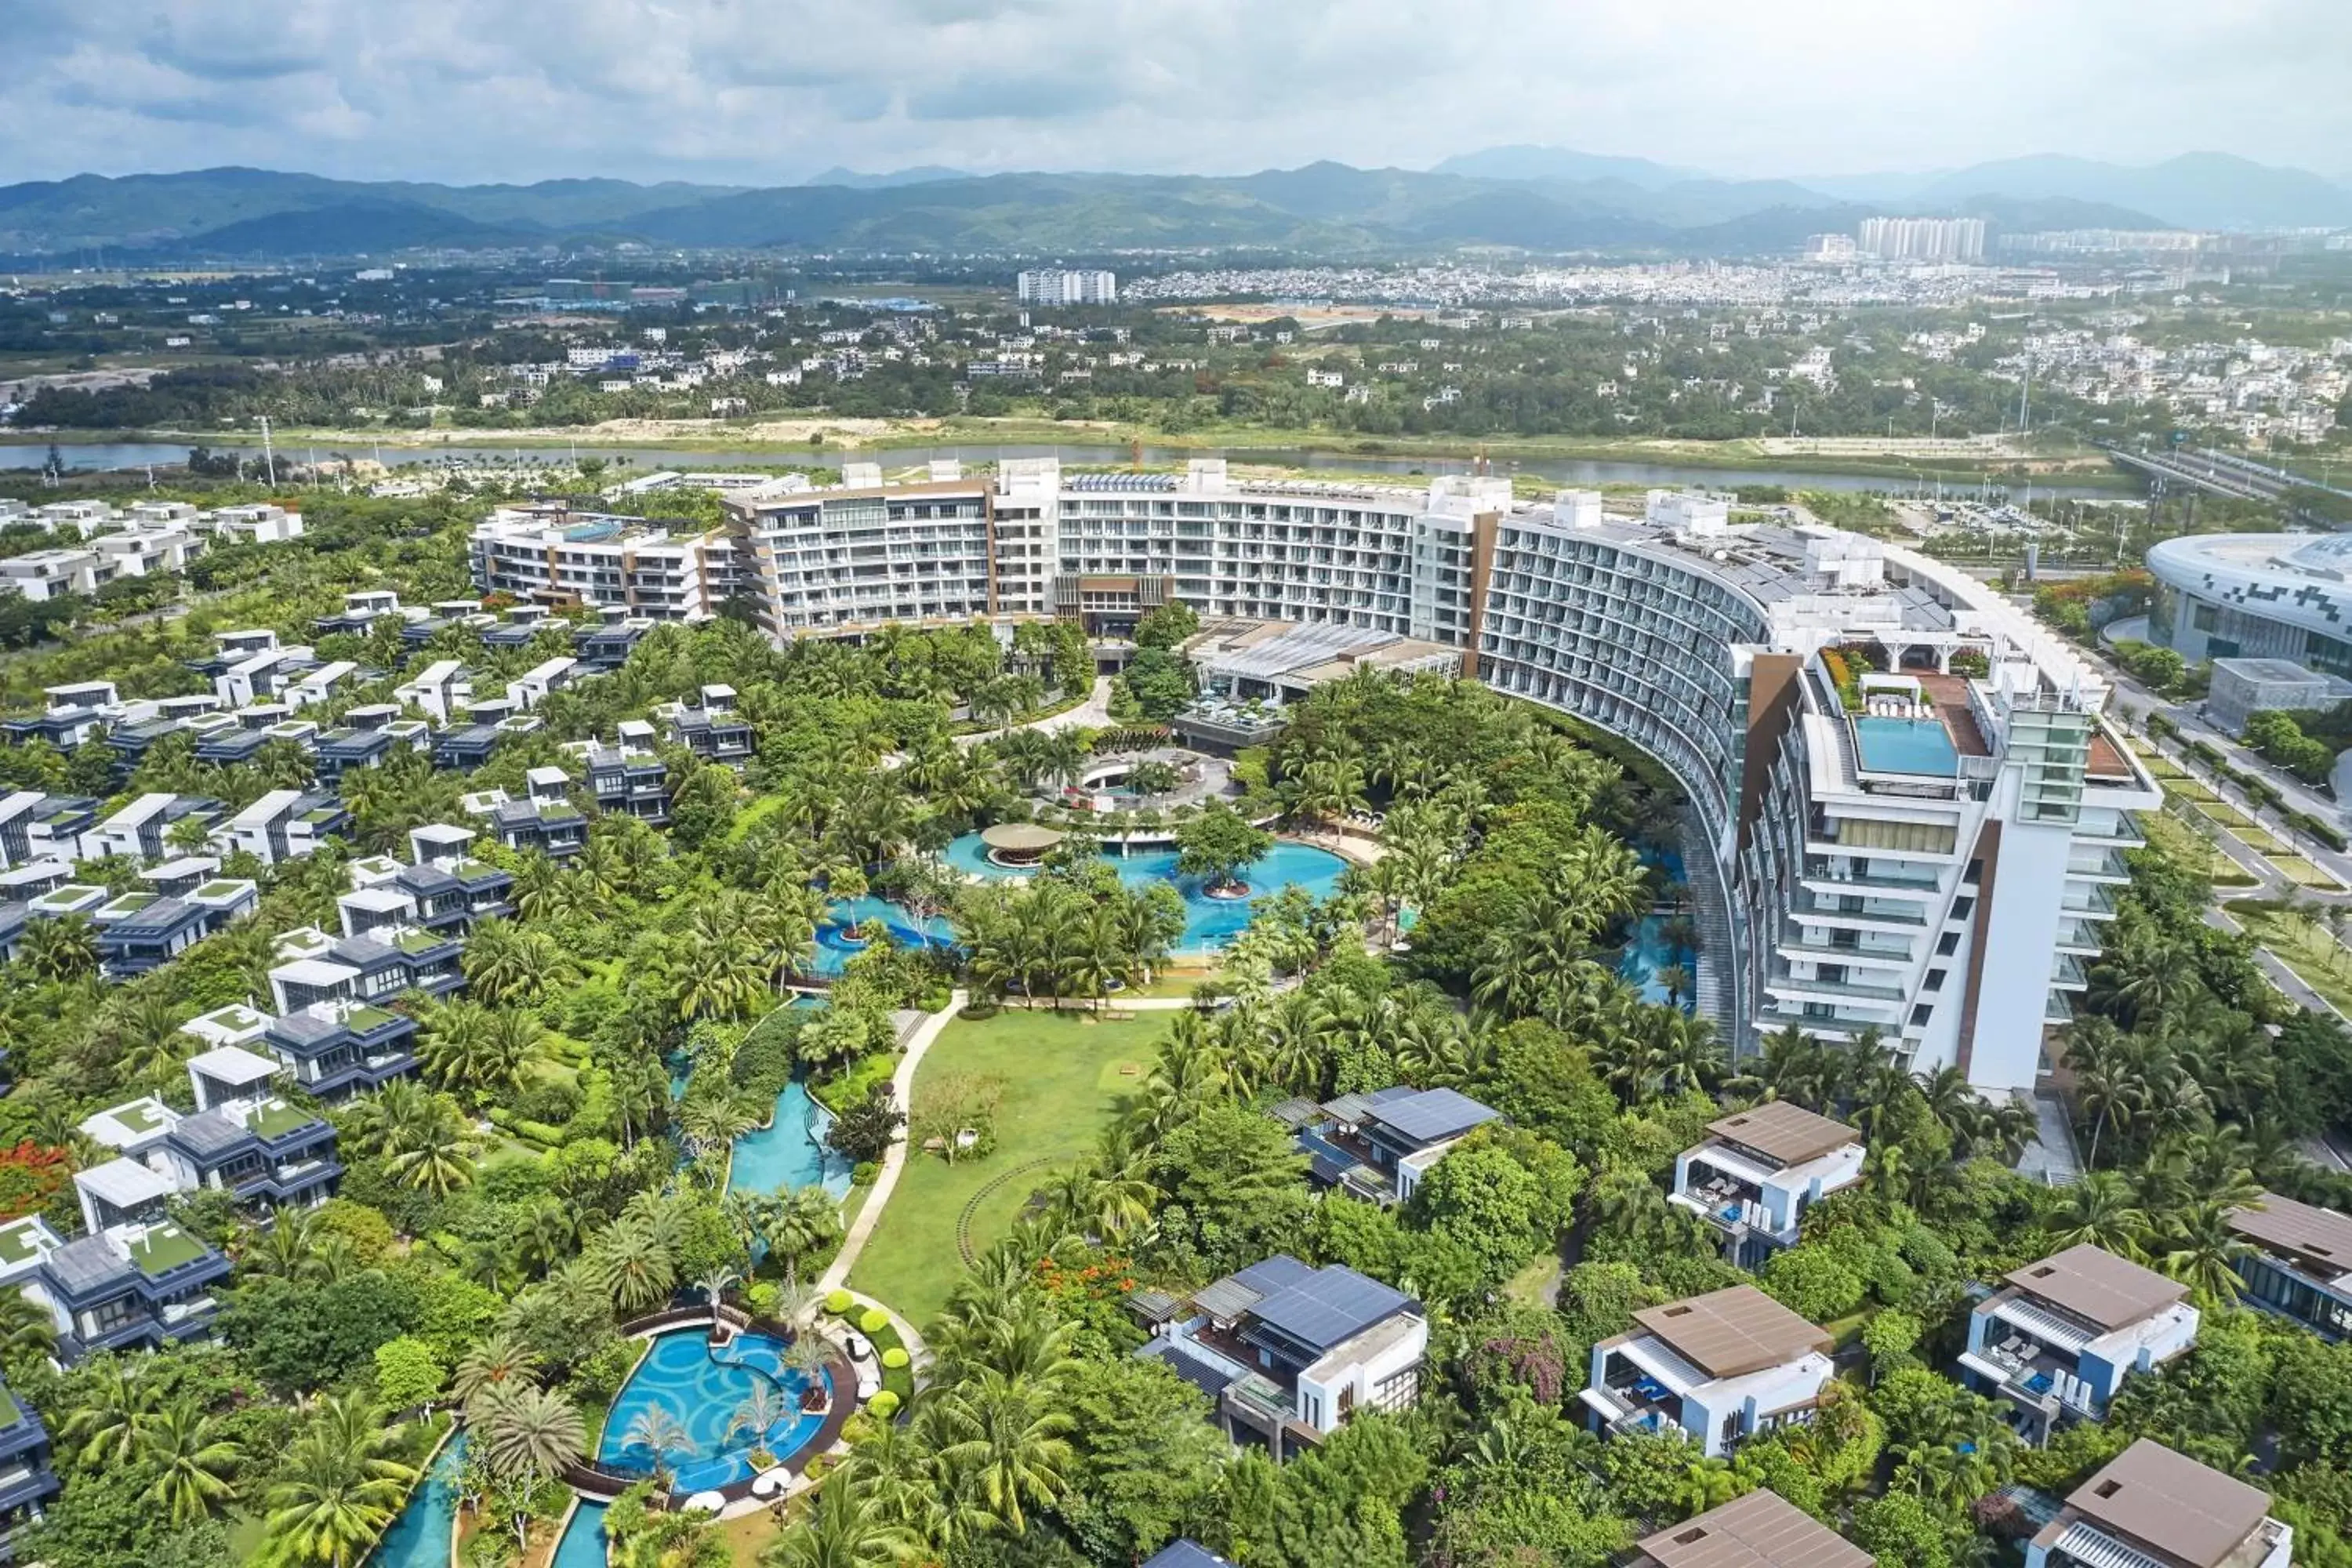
1721,1367
1289,1352
2057,1342
2152,1507
1760,1529
2299,1262
244,1138
1759,1173
1378,1146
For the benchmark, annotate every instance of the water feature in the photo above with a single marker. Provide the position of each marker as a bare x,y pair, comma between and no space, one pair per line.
1209,923
584,1543
789,1152
701,1389
1402,468
838,941
420,1537
1649,944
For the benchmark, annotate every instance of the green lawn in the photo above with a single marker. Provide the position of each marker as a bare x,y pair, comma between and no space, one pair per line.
2314,956
2303,873
1064,1078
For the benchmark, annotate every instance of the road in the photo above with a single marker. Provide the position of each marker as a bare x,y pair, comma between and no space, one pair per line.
2216,473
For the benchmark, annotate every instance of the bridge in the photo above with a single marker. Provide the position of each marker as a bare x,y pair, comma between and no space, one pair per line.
2216,473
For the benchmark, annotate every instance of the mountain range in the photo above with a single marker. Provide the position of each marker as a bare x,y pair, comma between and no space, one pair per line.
1536,198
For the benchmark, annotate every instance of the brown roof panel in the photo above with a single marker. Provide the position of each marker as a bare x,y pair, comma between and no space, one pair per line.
2321,1236
2095,1285
1780,1130
2165,1500
1730,1333
1758,1531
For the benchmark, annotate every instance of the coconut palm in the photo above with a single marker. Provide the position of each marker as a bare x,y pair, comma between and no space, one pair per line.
632,1261
2099,1210
432,1152
27,1332
527,1431
2201,1249
60,949
847,1525
192,1463
498,1358
109,1428
337,1489
1007,1446
658,1433
509,963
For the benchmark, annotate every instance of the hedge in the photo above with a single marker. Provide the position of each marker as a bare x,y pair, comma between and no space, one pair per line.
2305,822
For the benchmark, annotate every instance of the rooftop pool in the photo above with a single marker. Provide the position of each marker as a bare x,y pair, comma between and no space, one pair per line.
1920,746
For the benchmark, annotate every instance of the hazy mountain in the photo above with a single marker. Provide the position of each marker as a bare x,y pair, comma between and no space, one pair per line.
922,174
1548,163
2197,190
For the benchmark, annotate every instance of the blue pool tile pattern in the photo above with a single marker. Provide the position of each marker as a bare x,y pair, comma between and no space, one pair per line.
702,1388
1907,746
1208,922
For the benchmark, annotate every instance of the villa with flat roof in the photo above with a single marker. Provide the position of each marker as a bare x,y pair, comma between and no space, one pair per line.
627,777
1290,1354
2057,1342
27,1480
2150,1507
1760,1170
136,1281
244,1138
1378,1146
544,820
1721,1368
710,727
283,825
2298,1263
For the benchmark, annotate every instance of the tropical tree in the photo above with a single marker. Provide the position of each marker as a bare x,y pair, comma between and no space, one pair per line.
1216,843
1006,1444
846,1524
337,1487
498,1358
193,1462
525,1430
65,949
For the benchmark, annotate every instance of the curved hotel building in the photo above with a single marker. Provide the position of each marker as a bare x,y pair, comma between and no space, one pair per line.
2255,595
1931,853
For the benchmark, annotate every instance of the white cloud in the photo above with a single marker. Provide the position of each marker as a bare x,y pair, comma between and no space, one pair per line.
771,90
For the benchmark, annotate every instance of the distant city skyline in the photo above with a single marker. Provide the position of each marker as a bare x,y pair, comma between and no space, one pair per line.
712,91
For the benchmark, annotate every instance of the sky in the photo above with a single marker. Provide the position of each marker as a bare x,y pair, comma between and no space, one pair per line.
770,92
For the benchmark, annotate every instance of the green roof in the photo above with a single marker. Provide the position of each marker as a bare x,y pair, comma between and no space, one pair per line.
164,1248
17,1240
550,811
139,1115
131,903
220,890
275,1119
416,941
235,1015
475,871
360,1020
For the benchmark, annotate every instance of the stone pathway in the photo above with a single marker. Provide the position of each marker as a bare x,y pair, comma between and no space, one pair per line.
902,1085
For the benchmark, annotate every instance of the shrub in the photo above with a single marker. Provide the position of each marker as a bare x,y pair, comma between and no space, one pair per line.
874,1320
894,1357
839,1302
884,1404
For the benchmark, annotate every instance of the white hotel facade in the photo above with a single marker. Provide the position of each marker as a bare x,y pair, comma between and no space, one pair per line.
1940,867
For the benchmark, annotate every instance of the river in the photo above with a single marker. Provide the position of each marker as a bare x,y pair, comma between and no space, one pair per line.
643,459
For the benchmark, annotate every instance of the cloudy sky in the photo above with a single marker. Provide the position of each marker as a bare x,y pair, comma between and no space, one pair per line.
772,90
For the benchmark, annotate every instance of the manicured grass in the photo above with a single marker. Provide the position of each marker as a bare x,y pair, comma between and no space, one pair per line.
746,1537
2314,956
2222,812
2303,873
1535,1284
1063,1080
749,816
2187,788
2262,838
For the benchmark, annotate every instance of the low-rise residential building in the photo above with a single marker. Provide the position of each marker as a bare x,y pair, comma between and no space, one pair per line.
139,831
1720,1368
544,819
361,609
2057,1341
1290,1353
628,777
315,967
69,715
2150,1507
140,931
41,576
244,1138
1760,1170
257,524
136,1281
368,738
283,825
1760,1530
1379,1145
534,685
37,828
2298,1262
710,727
27,1477
440,691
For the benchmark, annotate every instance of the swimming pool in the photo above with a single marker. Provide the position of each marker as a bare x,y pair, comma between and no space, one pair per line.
1647,951
836,943
701,1389
1906,746
1208,922
420,1536
789,1152
584,1543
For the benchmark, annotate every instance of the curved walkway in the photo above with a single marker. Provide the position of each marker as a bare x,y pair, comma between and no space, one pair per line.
894,1159
1094,713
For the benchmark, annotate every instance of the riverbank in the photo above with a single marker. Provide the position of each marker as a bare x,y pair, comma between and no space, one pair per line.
783,442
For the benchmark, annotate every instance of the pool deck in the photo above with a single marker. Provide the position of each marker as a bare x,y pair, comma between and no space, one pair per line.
1950,693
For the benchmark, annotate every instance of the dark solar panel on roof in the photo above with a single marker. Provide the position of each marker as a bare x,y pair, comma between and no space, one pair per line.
1199,1370
1433,1116
1185,1554
1279,1272
1337,1304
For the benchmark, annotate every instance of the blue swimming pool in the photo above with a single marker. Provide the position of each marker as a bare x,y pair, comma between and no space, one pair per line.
421,1535
701,1390
584,1543
838,942
789,1152
1647,951
1208,922
1907,746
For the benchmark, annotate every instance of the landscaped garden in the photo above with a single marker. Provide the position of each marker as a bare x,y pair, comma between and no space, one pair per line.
1055,1081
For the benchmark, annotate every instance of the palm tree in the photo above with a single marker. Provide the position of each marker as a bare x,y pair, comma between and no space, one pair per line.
27,1332
1006,1445
338,1488
633,1263
431,1152
498,1358
760,1412
505,962
60,949
526,1430
846,1526
2201,1249
2099,1210
109,1427
660,1433
192,1463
